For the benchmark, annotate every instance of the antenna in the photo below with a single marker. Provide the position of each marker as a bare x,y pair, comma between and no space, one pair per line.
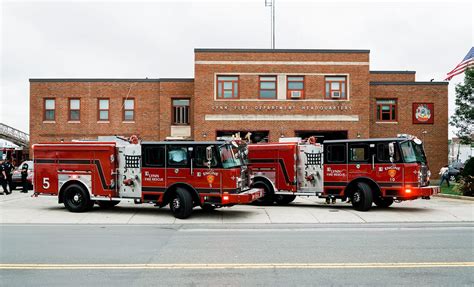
271,3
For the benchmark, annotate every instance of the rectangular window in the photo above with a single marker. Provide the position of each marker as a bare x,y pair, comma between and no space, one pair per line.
358,152
227,87
295,87
336,153
383,154
129,110
154,156
386,110
103,109
180,111
200,158
268,87
74,109
336,88
177,156
49,110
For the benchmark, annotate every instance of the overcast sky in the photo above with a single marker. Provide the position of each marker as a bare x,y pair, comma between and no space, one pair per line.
131,39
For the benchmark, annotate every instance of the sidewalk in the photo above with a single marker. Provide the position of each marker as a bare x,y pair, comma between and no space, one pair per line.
22,208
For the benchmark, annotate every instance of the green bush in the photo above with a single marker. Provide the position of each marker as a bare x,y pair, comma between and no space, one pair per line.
466,185
468,168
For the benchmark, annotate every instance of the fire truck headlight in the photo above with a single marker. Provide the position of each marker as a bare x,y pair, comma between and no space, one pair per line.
408,190
225,198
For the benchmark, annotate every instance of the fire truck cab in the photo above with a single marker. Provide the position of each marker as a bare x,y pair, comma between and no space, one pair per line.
181,174
362,171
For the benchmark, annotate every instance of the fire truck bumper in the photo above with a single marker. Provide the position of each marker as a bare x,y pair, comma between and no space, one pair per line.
247,196
416,192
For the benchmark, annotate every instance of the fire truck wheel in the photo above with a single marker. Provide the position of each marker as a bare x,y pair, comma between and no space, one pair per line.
268,195
107,204
284,199
362,197
181,204
76,199
383,202
208,207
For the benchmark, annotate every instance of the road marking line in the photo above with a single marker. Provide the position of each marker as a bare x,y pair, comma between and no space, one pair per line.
239,266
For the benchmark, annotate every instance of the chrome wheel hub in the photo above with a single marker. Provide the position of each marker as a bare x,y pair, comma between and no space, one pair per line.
356,197
176,203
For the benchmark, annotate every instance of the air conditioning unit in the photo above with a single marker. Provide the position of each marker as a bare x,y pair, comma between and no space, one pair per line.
295,94
335,94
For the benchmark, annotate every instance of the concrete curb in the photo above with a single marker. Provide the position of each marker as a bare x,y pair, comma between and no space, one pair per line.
453,196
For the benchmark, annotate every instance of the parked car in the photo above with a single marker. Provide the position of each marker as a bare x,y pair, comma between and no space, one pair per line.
16,177
453,173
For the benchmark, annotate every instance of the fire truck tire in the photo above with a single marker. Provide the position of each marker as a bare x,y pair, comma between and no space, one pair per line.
107,204
268,194
284,199
181,204
362,197
383,202
76,199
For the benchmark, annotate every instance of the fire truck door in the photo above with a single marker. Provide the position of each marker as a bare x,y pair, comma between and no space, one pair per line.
178,163
129,171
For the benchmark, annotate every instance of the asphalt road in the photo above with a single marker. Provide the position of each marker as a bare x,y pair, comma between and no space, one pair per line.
424,254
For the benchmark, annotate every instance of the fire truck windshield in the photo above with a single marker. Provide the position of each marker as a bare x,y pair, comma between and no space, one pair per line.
412,152
229,158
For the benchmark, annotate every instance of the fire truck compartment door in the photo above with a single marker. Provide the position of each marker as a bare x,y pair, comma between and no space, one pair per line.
129,175
310,168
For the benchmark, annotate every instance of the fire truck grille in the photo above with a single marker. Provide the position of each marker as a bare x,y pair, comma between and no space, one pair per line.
132,161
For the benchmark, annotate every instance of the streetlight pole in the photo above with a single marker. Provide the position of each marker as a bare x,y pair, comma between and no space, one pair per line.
271,4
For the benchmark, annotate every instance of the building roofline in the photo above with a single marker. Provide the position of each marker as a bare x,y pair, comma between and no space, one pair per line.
233,50
109,80
392,72
409,83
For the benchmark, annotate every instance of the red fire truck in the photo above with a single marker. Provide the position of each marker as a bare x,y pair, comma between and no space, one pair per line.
362,171
181,174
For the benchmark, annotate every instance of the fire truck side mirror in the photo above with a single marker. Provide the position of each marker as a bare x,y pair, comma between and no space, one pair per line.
391,151
209,153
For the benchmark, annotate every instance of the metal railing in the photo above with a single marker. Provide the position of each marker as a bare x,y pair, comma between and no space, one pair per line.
15,136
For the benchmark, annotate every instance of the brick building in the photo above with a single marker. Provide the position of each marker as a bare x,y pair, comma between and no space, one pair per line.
330,94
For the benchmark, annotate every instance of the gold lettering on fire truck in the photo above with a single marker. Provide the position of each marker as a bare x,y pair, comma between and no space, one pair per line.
152,177
335,172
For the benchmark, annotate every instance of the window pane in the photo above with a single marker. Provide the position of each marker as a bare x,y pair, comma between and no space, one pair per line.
49,104
385,116
74,104
295,85
270,79
227,78
180,102
177,156
335,86
327,89
267,94
200,158
227,94
236,90
219,89
129,104
268,85
393,113
128,115
155,156
359,152
336,153
49,115
338,79
227,85
104,115
74,115
385,108
386,101
293,78
104,104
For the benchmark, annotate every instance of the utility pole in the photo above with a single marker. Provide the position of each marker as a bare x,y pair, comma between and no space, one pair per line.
271,4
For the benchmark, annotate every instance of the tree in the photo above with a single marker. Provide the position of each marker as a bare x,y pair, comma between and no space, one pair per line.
463,118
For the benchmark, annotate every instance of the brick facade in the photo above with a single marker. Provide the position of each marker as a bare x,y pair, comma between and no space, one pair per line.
208,115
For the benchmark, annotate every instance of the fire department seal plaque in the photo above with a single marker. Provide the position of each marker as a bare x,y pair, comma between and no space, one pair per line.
423,113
